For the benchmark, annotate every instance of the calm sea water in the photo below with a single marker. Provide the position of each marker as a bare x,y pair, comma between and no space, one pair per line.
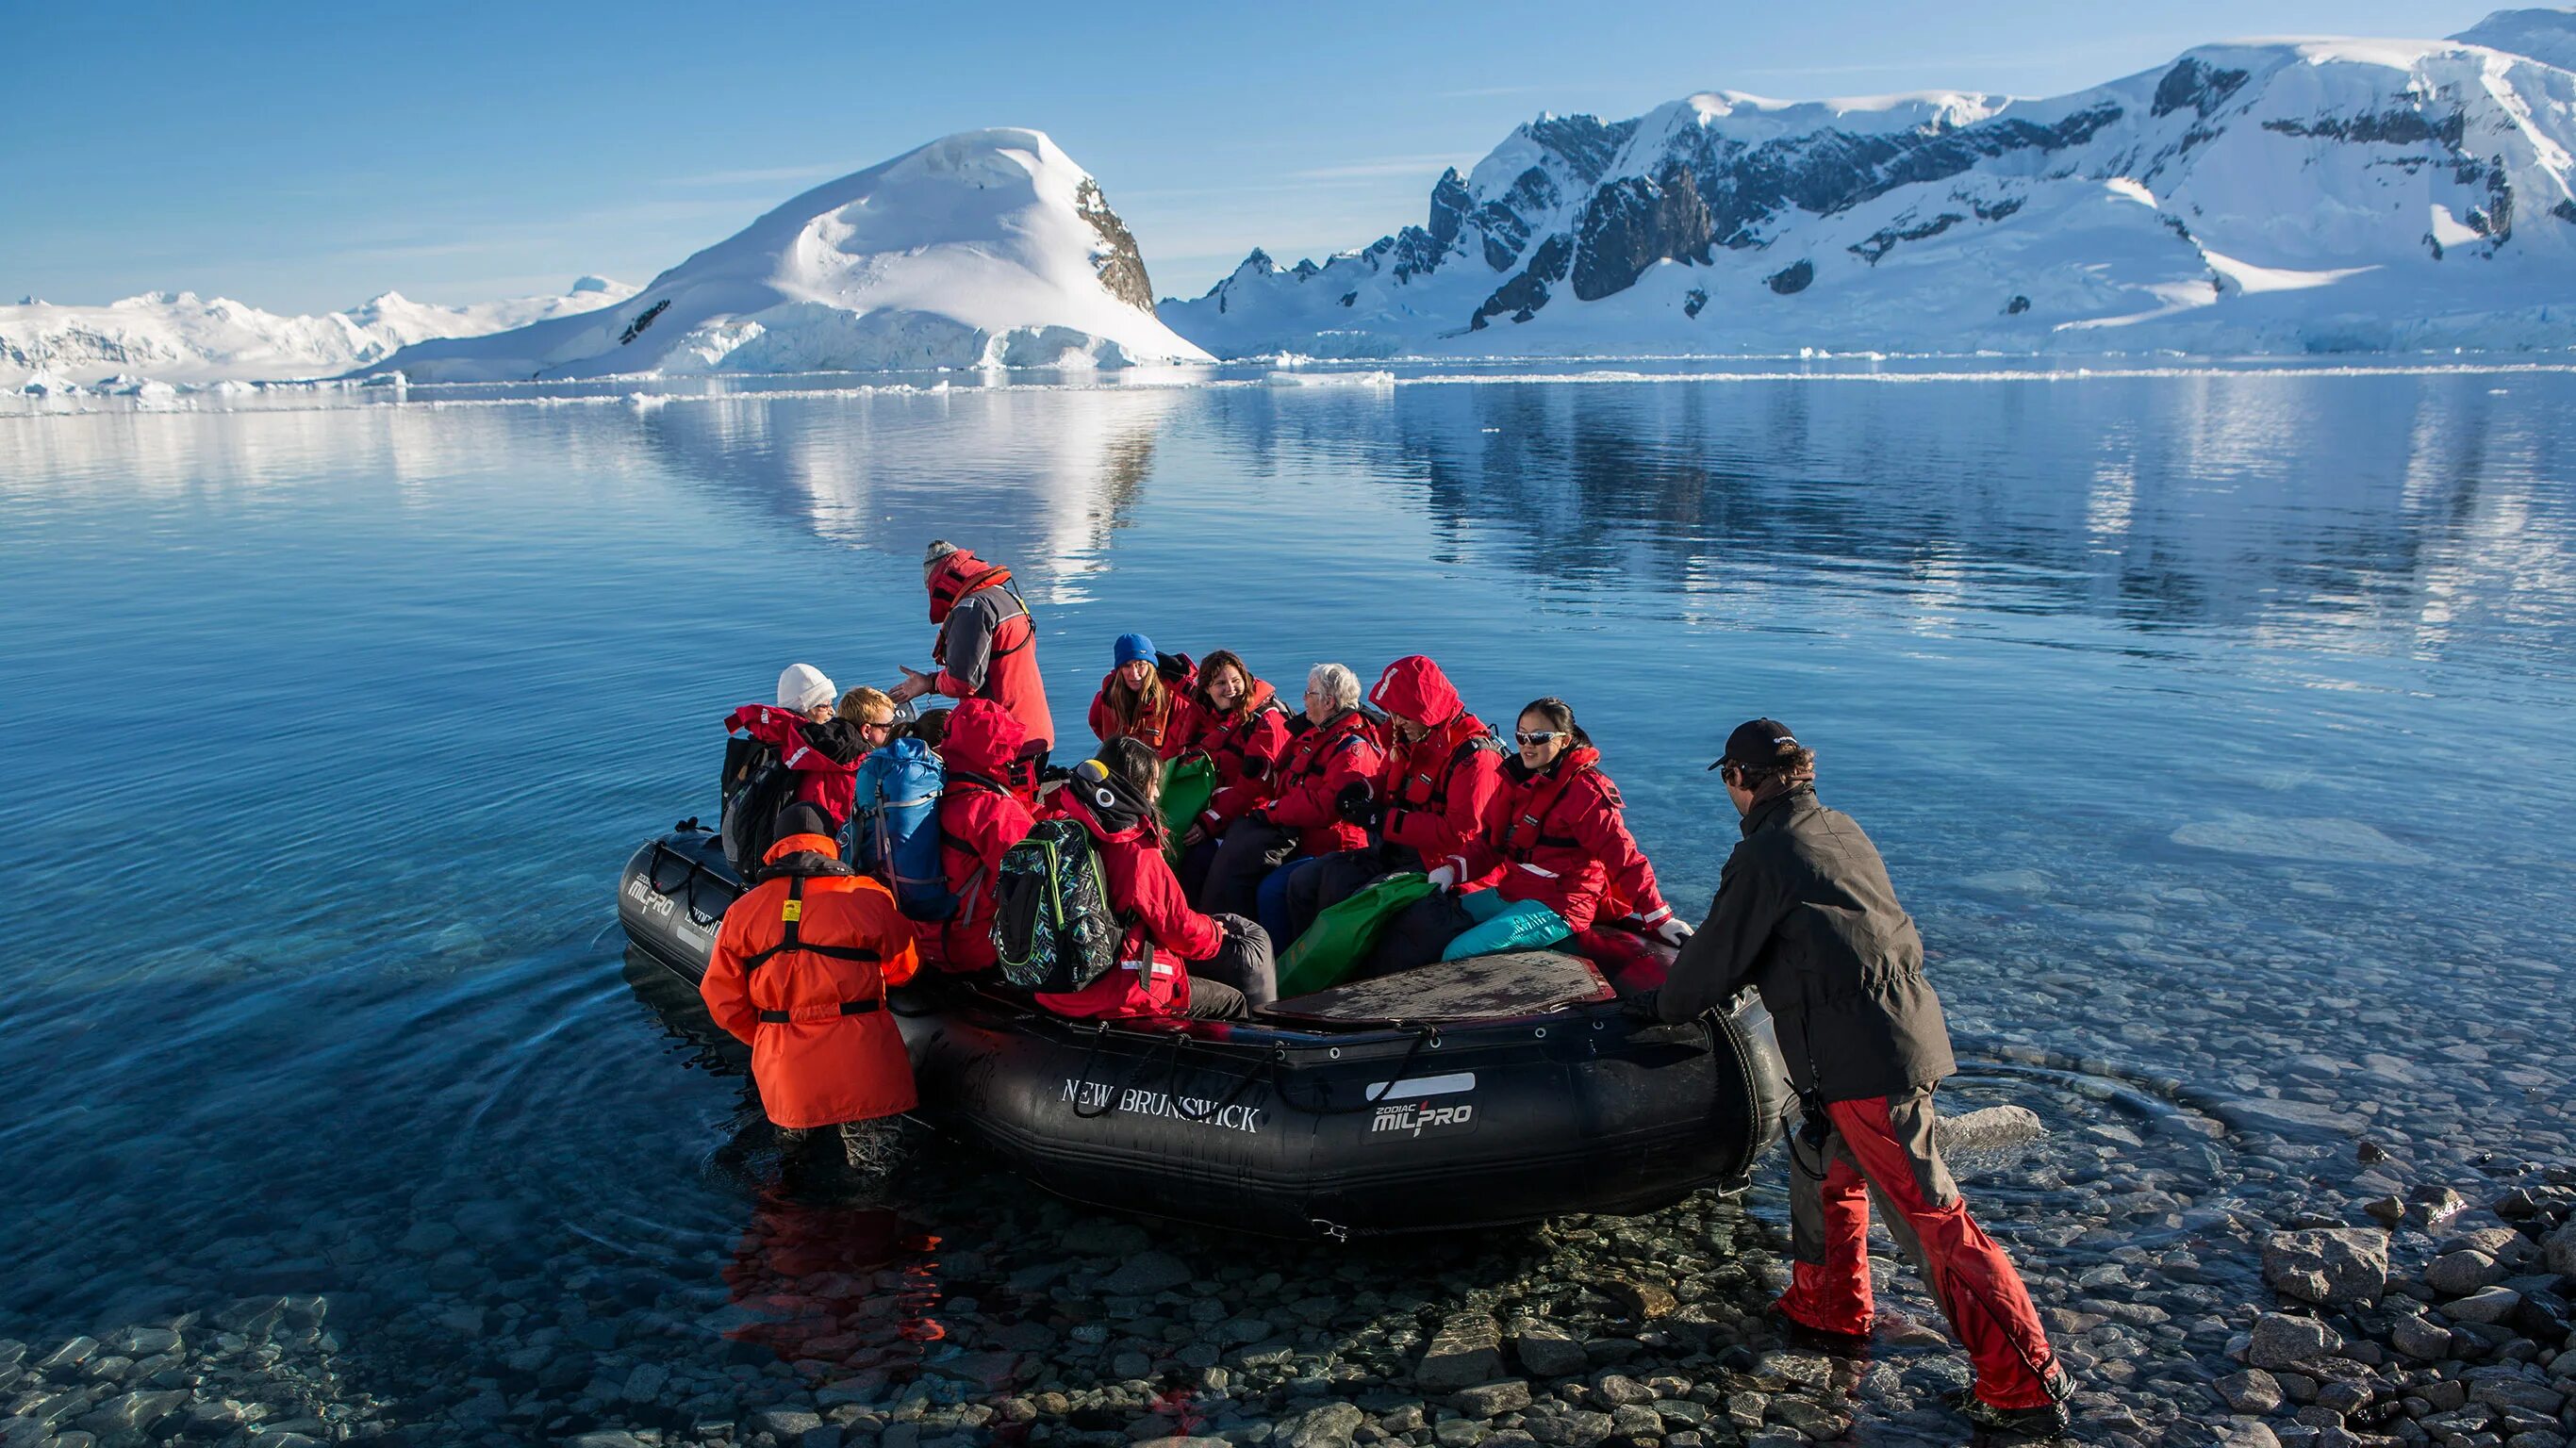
2215,726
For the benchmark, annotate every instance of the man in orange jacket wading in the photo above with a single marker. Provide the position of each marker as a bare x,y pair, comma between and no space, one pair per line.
801,968
1805,913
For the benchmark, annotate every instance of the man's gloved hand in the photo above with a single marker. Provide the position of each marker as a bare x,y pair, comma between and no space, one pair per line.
1356,805
1444,878
1672,931
1054,773
1641,1007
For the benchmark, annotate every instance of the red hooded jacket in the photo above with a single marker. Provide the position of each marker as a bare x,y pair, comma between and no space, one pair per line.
979,818
1321,763
823,778
1141,886
1561,838
987,647
1246,747
824,1050
1439,787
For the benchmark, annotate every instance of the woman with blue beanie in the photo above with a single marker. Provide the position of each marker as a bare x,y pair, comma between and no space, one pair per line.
1142,695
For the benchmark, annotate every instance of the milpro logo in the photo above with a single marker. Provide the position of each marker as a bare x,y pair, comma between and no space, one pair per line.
1422,1111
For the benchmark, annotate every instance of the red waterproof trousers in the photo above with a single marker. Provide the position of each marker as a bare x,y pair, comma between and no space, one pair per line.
1883,1147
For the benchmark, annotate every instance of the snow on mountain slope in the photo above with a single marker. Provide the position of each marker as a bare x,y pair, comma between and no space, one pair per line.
2263,196
177,337
2548,36
987,248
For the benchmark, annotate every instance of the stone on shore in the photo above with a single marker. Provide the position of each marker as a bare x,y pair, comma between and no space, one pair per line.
1145,1274
2329,1266
1467,1350
1487,1399
2281,1340
1547,1351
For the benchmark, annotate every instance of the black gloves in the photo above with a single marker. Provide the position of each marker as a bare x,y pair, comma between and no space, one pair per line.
1356,805
1641,1007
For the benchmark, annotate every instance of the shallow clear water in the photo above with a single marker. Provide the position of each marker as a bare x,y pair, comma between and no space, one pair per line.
2214,726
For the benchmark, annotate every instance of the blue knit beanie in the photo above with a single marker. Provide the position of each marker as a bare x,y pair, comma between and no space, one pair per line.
1135,649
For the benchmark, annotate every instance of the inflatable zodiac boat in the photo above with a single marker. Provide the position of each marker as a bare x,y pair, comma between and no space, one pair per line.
1491,1091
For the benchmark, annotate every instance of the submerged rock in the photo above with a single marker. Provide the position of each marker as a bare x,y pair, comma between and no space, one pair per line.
2329,1266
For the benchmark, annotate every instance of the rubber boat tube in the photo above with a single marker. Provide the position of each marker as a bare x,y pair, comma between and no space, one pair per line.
1332,1114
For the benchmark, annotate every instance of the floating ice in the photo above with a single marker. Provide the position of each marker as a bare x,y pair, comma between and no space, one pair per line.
2343,841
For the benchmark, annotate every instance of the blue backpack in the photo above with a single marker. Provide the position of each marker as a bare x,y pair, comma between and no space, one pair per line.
894,827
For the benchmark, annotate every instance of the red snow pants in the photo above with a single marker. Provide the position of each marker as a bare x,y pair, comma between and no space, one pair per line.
1882,1147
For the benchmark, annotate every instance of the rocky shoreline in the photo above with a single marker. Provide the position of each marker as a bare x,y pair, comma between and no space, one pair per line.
2443,1323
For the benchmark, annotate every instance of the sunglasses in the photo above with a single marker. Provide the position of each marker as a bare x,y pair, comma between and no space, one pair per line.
1527,738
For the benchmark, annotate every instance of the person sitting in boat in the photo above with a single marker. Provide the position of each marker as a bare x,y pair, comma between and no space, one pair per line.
1441,777
1328,775
800,969
820,743
929,726
1552,856
1173,960
979,818
986,649
1143,697
1235,719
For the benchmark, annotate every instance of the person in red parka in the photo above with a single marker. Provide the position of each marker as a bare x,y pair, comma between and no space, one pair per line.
1328,776
987,648
979,818
1144,697
1553,855
800,971
819,744
1442,776
1173,960
1235,720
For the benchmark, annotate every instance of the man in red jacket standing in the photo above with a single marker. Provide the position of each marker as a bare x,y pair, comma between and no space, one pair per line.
987,649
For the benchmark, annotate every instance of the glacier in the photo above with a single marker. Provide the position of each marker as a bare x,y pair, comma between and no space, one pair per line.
2276,196
983,249
178,337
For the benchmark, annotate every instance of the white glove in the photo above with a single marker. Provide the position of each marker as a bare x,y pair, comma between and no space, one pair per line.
1444,878
1672,931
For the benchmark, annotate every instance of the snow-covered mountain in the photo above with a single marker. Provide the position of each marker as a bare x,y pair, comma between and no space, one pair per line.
177,337
983,249
2262,196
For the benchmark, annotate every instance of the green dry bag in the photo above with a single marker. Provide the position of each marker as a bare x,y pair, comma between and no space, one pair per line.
1188,782
1344,933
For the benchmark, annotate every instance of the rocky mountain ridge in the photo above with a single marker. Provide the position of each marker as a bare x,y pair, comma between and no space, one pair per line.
2298,195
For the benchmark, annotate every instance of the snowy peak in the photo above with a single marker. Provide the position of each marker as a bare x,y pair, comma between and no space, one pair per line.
2286,194
2547,35
986,248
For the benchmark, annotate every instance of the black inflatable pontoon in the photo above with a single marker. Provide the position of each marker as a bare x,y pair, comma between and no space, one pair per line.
1499,1090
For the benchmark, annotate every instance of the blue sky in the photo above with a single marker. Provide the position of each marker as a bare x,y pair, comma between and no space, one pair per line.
302,157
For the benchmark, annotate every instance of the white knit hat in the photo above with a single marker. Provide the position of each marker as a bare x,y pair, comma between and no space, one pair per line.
802,687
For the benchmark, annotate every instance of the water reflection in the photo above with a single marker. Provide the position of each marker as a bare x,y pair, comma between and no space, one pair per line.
2165,697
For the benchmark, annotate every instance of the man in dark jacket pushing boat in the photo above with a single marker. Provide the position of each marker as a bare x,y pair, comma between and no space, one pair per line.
1805,913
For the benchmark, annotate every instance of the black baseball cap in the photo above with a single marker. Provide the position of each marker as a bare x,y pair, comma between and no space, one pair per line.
1758,742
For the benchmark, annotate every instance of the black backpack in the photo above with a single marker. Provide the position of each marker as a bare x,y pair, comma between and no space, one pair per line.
756,786
1052,925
